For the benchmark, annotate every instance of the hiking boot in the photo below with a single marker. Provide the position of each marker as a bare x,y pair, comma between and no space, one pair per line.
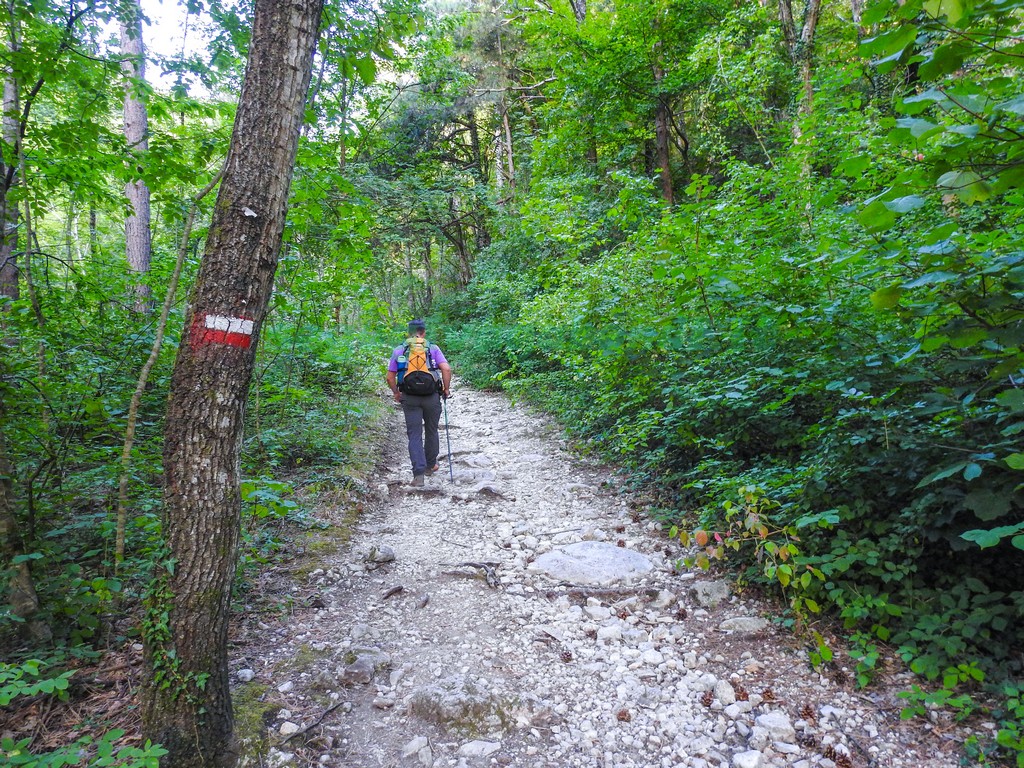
433,469
417,481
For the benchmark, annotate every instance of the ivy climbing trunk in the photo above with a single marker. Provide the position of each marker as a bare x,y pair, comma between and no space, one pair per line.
187,704
137,237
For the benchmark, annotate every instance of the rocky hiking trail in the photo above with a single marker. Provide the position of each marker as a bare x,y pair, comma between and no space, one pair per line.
527,616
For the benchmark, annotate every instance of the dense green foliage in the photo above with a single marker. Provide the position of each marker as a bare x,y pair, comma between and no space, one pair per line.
813,356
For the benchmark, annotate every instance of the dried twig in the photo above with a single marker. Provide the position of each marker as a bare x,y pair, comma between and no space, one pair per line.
313,725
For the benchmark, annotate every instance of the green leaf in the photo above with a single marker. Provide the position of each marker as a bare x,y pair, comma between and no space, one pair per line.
990,538
854,166
1015,461
876,217
951,9
904,204
931,278
972,471
942,61
967,185
917,126
1014,106
886,298
942,474
367,69
1011,399
890,42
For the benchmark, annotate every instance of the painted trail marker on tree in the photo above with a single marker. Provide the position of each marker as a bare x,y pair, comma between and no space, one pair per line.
221,329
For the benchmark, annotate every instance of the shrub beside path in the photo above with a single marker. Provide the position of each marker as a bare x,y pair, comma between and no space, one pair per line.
525,615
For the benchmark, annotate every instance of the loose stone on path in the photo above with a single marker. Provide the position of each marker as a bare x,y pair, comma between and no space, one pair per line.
592,562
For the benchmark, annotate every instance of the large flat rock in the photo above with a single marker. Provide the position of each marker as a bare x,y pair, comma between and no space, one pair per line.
592,562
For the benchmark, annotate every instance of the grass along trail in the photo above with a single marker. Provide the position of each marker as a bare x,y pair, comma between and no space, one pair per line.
435,638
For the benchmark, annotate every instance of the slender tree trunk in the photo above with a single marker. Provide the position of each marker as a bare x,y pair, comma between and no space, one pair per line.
343,127
591,139
137,236
474,144
8,210
121,524
787,25
187,704
510,165
410,280
579,10
662,138
428,267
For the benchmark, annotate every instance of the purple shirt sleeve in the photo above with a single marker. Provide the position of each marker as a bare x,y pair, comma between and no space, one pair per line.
393,362
437,354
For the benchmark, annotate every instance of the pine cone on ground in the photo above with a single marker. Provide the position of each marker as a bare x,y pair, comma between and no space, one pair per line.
768,694
707,698
741,693
807,713
566,656
623,716
807,741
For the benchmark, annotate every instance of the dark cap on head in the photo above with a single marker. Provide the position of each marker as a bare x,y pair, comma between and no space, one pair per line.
417,325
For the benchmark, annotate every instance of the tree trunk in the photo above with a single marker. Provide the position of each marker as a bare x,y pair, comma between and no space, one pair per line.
410,280
9,211
788,27
510,166
343,127
662,138
21,591
806,53
137,237
579,10
428,267
187,705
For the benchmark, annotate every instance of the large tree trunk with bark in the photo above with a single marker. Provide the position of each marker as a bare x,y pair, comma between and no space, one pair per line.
137,237
187,705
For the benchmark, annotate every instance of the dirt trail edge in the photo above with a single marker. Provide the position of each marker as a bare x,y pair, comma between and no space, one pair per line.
438,637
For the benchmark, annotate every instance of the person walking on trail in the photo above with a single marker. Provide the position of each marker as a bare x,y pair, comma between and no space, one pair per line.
419,376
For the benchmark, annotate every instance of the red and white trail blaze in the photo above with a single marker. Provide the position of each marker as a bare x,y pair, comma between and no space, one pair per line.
221,329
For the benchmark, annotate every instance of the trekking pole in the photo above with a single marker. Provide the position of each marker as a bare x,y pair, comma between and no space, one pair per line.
448,435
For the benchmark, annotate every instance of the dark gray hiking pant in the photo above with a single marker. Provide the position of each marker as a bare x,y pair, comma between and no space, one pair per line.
422,412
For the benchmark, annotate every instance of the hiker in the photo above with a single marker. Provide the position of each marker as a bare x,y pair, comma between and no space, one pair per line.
419,376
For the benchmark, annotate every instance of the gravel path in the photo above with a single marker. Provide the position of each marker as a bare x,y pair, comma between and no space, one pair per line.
480,658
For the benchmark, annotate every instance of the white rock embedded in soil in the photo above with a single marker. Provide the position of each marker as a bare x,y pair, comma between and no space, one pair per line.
748,759
777,725
744,625
592,562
